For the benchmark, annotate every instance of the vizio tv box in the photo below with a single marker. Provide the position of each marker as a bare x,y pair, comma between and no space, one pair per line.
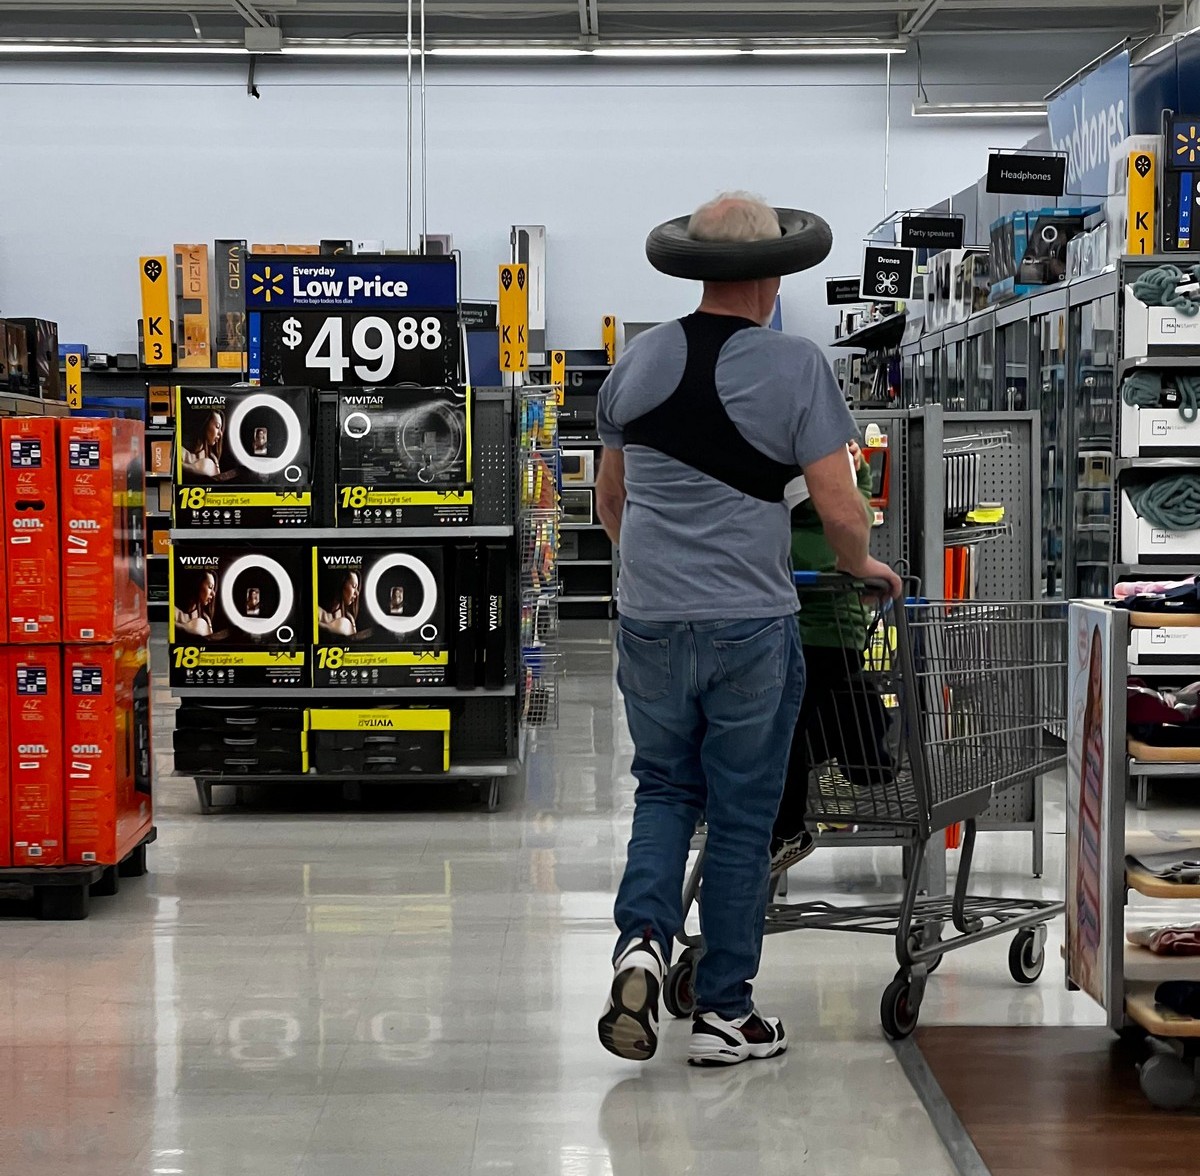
243,457
404,457
379,617
239,615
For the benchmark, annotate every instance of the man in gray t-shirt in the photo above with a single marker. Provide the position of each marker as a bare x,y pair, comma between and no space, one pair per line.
704,421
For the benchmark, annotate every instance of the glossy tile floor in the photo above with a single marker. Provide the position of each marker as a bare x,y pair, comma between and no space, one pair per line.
414,992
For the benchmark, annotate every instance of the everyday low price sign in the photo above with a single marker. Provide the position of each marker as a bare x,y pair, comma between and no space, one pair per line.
280,283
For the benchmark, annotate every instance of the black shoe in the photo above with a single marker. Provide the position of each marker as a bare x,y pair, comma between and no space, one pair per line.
717,1041
787,853
629,1024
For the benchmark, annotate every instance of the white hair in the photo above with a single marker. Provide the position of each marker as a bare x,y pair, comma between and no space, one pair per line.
734,216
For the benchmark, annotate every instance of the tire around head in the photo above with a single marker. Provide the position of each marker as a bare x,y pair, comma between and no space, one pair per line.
805,241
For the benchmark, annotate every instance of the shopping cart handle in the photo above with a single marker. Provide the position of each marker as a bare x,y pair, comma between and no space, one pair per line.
838,580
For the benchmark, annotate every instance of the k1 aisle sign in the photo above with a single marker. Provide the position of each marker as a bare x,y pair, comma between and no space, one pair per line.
327,322
1088,120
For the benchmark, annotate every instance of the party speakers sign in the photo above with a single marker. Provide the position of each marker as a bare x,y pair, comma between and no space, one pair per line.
887,274
934,233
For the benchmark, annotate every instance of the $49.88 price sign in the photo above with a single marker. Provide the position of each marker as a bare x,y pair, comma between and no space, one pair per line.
329,349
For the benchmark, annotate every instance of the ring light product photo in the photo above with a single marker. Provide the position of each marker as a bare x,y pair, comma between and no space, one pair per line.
243,458
236,614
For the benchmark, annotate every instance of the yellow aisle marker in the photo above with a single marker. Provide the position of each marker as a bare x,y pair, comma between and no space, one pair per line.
609,335
514,318
558,373
156,312
1139,234
74,380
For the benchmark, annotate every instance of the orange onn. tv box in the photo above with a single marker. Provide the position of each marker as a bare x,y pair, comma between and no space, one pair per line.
103,528
106,749
31,528
5,797
34,687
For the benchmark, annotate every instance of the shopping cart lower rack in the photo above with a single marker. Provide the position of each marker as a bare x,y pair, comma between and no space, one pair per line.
942,705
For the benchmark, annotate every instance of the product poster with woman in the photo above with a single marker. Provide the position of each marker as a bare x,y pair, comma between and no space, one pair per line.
1089,748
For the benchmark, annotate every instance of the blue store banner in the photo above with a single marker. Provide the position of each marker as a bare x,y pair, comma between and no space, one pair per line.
1088,120
326,283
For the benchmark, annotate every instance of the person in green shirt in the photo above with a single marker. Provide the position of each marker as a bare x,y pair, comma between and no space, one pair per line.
842,716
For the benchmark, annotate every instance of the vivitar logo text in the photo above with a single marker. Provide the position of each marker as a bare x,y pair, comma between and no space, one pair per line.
494,604
32,749
363,400
199,561
376,722
341,561
464,613
204,401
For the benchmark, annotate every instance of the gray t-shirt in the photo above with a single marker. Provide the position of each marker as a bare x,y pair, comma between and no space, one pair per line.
692,547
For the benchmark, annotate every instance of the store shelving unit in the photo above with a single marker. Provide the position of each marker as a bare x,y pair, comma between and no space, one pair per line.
485,744
1055,352
1167,657
588,561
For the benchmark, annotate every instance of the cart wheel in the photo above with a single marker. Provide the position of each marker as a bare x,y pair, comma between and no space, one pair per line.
1167,1082
1023,964
63,902
107,884
898,1011
134,866
678,994
915,944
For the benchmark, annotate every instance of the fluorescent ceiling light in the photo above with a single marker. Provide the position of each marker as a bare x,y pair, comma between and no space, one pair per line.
644,51
998,110
30,48
830,51
501,51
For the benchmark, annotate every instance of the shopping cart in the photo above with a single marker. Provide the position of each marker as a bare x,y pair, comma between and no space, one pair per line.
948,703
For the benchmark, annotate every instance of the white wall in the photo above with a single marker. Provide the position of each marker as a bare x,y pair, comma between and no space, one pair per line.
597,154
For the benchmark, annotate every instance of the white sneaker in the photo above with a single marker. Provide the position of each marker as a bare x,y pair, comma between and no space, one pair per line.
717,1041
629,1024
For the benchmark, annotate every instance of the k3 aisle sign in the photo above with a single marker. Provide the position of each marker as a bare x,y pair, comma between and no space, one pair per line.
331,321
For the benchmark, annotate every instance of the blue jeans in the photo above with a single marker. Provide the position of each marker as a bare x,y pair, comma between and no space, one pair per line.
712,706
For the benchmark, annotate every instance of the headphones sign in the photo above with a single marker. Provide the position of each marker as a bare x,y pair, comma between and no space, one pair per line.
330,321
887,273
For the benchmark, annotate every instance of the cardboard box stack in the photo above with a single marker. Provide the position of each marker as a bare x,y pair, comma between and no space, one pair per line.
75,774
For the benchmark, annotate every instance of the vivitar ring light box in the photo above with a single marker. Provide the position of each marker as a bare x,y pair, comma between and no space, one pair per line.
239,615
404,457
243,457
379,617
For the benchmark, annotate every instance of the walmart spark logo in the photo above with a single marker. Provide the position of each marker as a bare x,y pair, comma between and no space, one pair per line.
1187,144
268,284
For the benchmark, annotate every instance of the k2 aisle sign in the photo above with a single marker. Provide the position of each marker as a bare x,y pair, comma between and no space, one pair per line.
514,318
331,321
1088,120
887,273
